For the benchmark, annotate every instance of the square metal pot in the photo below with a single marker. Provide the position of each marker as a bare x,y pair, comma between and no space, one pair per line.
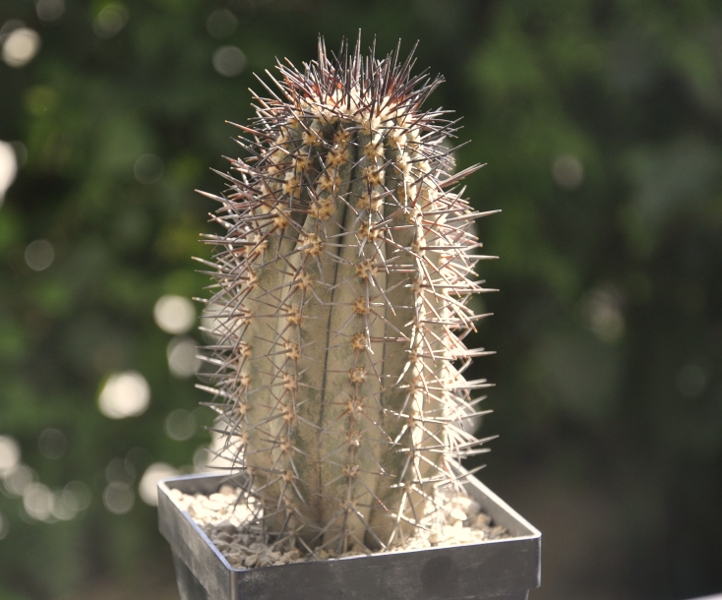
504,569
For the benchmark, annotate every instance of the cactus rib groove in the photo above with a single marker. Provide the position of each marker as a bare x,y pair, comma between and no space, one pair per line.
340,293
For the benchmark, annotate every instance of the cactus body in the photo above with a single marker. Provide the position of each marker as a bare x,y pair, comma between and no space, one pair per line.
341,283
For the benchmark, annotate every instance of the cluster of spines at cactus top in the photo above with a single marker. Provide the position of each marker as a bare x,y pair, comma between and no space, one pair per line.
341,283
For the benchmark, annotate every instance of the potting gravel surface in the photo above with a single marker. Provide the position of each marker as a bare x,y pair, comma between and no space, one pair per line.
229,525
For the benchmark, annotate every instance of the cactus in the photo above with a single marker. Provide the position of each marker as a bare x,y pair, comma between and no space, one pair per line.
340,303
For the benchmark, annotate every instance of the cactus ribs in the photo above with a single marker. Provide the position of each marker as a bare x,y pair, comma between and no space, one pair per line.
340,304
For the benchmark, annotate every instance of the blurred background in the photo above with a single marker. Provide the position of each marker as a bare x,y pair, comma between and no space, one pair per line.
601,123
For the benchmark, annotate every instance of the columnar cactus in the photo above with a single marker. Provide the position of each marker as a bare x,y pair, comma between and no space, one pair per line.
341,283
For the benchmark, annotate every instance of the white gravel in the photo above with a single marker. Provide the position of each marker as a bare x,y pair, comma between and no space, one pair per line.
230,526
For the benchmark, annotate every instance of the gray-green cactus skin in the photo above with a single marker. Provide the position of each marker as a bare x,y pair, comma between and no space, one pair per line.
341,283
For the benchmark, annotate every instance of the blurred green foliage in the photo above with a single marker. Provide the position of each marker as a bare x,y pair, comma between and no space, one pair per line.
601,122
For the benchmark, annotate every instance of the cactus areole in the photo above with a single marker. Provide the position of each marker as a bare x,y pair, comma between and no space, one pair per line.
339,304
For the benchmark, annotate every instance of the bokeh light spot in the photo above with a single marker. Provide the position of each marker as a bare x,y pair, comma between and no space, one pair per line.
183,358
148,169
49,10
62,509
39,255
118,498
221,23
77,496
18,480
568,172
180,425
38,501
148,487
603,313
41,100
120,470
124,395
174,314
9,454
110,20
8,168
229,61
20,47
